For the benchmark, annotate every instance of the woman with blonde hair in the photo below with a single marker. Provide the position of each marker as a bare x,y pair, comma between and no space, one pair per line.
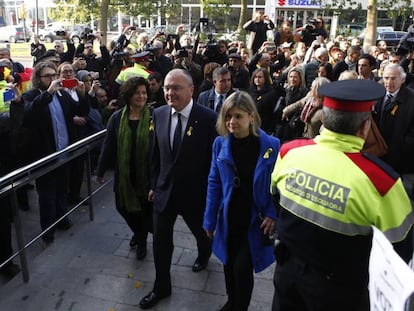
240,216
294,90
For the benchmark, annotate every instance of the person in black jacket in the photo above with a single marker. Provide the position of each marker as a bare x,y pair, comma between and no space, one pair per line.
60,49
37,49
265,97
127,147
395,119
49,114
10,122
239,73
258,27
97,65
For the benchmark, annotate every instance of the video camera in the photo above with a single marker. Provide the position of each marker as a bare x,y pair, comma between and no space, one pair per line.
182,53
88,35
406,44
309,32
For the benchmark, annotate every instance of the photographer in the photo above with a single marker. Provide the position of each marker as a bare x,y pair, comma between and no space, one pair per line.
307,32
183,59
406,50
94,63
215,52
159,63
239,74
120,55
70,49
263,58
258,28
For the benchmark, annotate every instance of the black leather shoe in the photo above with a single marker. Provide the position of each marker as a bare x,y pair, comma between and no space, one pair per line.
141,251
133,242
200,263
226,307
151,300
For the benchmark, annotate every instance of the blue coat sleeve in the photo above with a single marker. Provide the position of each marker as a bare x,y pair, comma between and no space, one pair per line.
214,190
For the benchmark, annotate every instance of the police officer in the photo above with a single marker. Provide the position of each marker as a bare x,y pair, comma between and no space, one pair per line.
140,69
329,196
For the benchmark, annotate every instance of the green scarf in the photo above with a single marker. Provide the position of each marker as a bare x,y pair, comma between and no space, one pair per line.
128,194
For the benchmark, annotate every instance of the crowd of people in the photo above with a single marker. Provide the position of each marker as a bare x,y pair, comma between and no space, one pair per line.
195,127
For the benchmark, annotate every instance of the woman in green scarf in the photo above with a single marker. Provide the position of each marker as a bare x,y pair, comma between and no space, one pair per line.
126,148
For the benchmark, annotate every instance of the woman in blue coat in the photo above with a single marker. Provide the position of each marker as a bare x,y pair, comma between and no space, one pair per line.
239,215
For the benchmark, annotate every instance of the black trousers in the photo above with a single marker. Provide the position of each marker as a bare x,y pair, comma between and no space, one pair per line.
163,241
238,273
51,189
140,223
301,287
77,167
5,228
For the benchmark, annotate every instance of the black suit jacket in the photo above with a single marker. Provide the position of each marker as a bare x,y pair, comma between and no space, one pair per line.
397,129
39,121
207,98
183,178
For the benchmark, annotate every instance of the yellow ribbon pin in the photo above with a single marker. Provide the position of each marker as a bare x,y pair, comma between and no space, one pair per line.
267,153
190,131
394,110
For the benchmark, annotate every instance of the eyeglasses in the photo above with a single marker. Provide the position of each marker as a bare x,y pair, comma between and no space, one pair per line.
67,71
50,75
89,47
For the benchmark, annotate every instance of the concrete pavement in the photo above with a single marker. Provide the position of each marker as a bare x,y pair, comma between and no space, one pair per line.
91,267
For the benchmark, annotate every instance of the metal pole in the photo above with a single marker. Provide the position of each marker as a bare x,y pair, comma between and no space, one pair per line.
89,183
37,17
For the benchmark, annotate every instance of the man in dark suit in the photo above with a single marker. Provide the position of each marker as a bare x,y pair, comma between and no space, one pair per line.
395,119
183,137
215,97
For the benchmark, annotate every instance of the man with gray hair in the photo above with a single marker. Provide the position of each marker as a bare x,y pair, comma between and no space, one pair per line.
321,55
395,118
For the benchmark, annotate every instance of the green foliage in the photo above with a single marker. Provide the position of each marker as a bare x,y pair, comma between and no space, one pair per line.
396,8
216,8
339,4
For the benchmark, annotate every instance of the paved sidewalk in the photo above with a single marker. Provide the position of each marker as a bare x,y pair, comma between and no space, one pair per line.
92,268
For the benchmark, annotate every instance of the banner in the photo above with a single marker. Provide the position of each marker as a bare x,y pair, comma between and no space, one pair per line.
298,4
391,281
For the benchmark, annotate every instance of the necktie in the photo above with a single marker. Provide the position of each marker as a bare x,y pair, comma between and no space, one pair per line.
177,134
387,102
220,103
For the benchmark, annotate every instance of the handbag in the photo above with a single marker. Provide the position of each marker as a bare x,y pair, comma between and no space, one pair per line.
375,143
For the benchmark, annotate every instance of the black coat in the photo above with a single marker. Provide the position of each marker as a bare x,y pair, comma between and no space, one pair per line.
265,100
185,177
397,129
39,121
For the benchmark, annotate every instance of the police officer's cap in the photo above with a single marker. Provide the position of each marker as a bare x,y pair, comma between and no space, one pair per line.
351,95
141,56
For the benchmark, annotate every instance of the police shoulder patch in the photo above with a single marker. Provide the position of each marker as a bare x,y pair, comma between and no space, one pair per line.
381,174
286,147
